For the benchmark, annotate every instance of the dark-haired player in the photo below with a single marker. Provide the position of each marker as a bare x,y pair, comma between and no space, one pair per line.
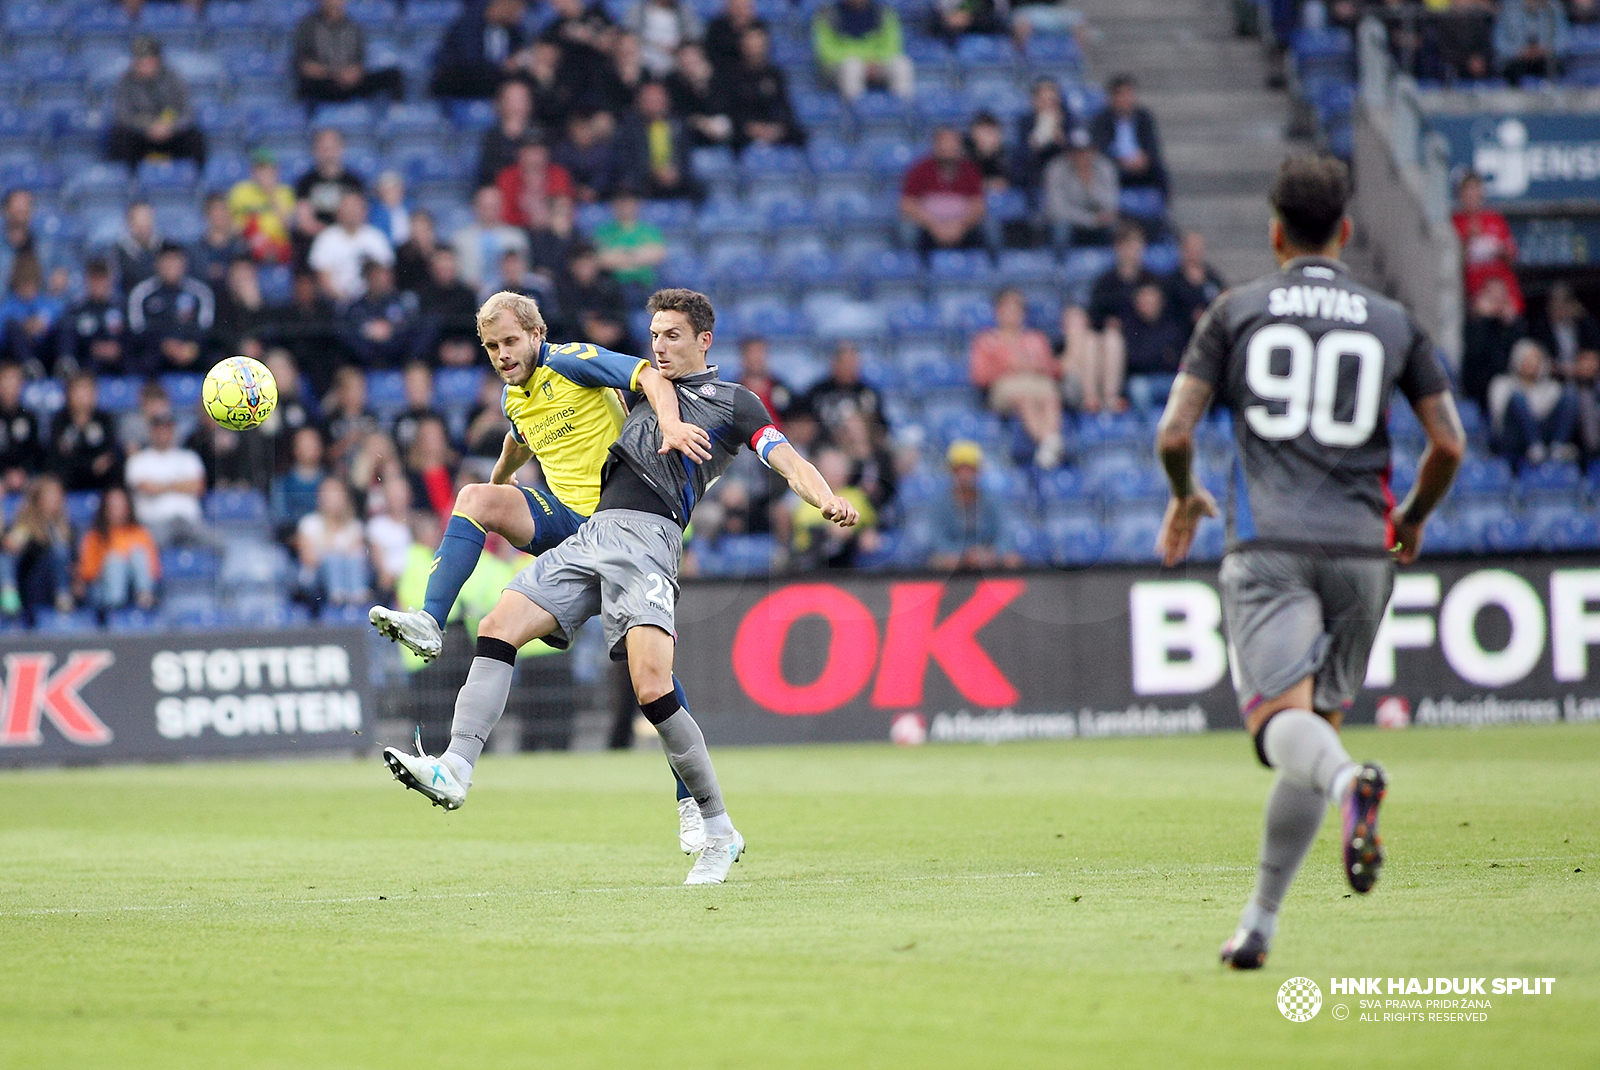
623,565
1306,359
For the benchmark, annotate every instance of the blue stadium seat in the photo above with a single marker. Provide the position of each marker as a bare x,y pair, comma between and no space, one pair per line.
888,157
132,619
351,119
50,622
224,505
819,111
411,120
30,175
1131,536
1053,51
739,555
1483,476
119,393
856,321
386,392
960,265
29,20
20,127
1143,203
457,386
183,388
1007,206
1550,480
1075,538
978,52
81,506
727,218
1086,265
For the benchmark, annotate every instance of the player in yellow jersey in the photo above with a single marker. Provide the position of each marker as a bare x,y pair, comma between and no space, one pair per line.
564,409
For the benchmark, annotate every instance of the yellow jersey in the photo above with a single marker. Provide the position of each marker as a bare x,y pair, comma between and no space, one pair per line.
568,413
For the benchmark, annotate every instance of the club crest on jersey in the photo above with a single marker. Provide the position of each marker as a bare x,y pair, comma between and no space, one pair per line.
708,391
549,394
1320,302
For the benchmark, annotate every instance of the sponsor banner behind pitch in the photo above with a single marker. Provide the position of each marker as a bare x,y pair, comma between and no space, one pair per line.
101,697
1528,156
1110,652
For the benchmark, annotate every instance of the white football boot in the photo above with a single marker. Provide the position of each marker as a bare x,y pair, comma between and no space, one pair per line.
691,827
433,777
417,631
716,858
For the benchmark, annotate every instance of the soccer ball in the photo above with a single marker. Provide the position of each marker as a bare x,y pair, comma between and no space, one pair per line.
239,393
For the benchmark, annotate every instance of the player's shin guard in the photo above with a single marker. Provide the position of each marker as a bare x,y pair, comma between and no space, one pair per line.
1306,751
481,700
686,750
458,555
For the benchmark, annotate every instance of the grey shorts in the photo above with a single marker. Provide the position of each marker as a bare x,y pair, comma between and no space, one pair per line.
622,564
1292,615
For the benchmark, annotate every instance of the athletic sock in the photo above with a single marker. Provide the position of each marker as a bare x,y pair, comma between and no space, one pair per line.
457,556
686,751
1305,749
683,704
1294,813
719,827
481,701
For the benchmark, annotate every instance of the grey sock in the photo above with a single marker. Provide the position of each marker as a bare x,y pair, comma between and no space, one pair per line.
479,704
1294,813
686,751
1305,749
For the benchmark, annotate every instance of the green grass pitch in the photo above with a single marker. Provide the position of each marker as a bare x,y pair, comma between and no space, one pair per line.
1029,905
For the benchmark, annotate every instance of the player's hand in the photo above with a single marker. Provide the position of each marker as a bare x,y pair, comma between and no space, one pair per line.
688,439
840,512
1407,537
1180,523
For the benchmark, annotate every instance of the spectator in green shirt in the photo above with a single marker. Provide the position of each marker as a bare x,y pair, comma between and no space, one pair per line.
630,249
859,42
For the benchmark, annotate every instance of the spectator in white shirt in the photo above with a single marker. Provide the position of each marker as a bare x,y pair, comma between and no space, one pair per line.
332,545
482,244
389,532
340,251
167,482
1533,414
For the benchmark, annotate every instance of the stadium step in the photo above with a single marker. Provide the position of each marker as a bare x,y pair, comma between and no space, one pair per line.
1222,130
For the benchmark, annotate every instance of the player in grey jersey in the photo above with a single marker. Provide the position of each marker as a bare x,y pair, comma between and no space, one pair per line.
623,565
1306,359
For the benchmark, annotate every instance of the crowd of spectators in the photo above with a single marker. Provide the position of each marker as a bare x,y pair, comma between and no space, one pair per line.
1534,371
1468,40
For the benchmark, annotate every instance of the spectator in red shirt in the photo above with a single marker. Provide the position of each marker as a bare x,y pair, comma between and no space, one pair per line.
1015,366
942,198
529,186
1488,249
756,374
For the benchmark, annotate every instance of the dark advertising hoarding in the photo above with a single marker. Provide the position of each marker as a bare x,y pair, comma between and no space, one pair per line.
112,697
1110,652
1527,156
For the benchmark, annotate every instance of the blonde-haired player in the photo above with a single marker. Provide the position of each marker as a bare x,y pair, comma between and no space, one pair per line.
564,409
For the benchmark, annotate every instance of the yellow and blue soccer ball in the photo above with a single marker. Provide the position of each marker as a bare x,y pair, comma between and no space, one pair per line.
239,393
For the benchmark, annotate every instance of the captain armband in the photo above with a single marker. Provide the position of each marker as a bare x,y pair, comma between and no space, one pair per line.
765,441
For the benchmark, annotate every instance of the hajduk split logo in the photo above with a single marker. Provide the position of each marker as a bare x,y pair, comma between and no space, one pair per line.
1299,999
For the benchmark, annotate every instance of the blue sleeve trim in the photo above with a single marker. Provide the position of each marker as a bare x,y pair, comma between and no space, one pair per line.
589,365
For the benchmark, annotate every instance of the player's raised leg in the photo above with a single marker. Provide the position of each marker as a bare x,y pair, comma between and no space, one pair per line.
504,509
514,621
660,698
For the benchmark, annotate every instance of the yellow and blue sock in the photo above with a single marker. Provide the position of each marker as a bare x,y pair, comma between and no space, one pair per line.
458,555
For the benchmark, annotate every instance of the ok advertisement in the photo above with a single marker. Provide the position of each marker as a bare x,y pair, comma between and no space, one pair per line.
1111,652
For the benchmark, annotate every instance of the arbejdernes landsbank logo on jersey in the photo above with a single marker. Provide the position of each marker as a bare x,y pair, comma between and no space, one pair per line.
1299,999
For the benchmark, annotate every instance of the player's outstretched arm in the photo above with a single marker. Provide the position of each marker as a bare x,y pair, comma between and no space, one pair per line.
1190,502
1447,445
806,481
662,394
513,455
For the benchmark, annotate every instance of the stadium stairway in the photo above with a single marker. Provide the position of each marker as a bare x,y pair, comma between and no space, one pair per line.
1222,130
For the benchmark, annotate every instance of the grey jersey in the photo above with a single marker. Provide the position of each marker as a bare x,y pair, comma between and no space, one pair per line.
1307,359
730,414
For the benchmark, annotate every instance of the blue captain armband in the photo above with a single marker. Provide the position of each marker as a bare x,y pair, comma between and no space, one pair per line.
765,441
589,365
